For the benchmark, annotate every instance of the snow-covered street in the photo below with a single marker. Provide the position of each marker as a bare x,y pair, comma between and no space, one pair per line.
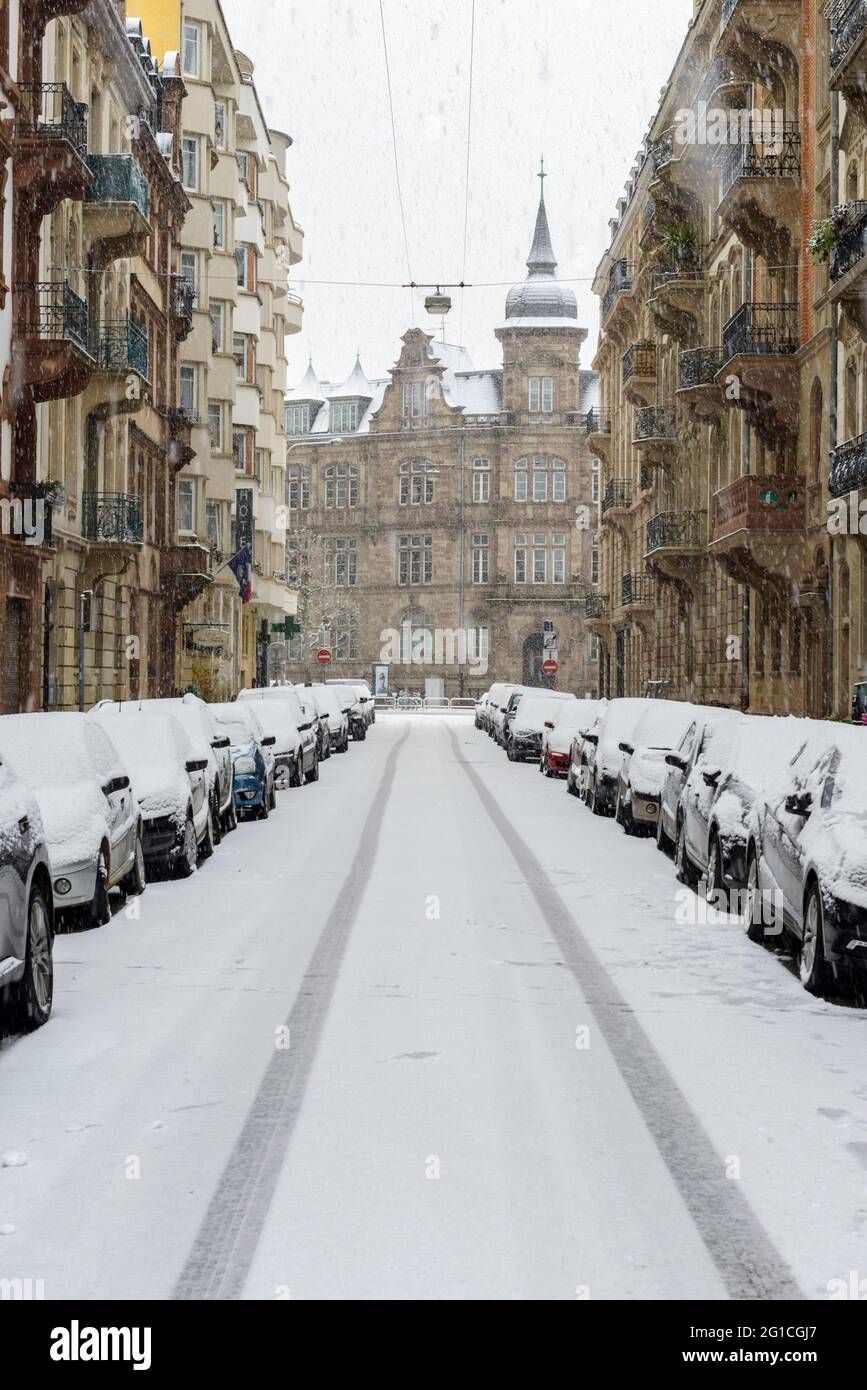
431,1031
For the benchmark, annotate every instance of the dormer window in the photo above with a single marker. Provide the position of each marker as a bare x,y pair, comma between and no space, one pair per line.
541,395
414,400
297,419
344,416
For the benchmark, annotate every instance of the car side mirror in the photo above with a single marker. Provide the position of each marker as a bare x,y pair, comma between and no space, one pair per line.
799,803
221,743
626,748
269,741
197,764
548,724
711,775
591,738
117,784
675,760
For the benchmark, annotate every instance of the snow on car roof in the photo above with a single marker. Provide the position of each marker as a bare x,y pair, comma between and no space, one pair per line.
54,749
663,725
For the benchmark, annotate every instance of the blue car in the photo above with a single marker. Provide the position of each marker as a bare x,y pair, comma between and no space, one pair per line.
251,776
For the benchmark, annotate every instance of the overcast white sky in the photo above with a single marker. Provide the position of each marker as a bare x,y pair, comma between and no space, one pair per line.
577,80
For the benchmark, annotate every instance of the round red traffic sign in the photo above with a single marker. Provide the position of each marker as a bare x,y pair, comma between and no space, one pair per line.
323,656
549,668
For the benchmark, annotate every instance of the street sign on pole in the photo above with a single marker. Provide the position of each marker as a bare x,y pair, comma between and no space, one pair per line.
549,668
323,656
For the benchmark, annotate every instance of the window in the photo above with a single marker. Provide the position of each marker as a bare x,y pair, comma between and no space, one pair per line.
541,395
594,565
520,559
218,327
190,163
558,559
215,425
540,558
242,448
481,480
340,563
298,490
249,171
414,400
594,482
540,480
219,225
344,416
521,480
341,485
220,124
192,43
246,263
341,635
415,560
214,522
416,637
244,352
594,647
186,505
481,558
188,389
190,268
297,419
558,480
416,483
477,645
260,472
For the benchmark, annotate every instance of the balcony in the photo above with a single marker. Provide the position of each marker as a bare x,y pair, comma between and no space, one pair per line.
761,31
616,499
637,591
758,527
597,429
848,467
597,613
116,208
673,543
649,224
760,189
621,281
185,573
848,264
760,344
654,429
503,419
183,302
50,147
181,424
122,371
294,313
51,342
677,290
698,381
639,372
849,53
111,518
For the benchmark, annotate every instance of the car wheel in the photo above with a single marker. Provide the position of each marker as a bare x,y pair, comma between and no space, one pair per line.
362,734
264,811
100,908
715,888
230,819
683,864
662,841
595,801
510,752
313,774
816,974
31,998
216,822
186,862
208,841
570,783
755,922
134,883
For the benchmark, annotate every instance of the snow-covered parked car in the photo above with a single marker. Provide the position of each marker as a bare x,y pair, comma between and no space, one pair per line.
481,710
251,751
604,754
364,694
559,731
303,719
581,747
807,858
330,704
525,729
92,822
643,769
169,778
704,744
26,909
499,701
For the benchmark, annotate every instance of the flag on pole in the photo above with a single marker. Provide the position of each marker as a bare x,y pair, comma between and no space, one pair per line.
241,566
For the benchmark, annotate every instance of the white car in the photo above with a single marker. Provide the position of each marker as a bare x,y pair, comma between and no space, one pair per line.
560,730
302,720
365,697
524,731
605,754
643,770
331,704
93,826
169,781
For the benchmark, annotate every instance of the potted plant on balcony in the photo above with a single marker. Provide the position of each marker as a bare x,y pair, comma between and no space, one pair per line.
678,246
827,232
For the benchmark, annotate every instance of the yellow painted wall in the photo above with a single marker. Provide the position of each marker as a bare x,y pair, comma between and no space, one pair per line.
161,23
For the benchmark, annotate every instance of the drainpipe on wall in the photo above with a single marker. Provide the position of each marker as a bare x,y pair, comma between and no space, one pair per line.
746,458
832,404
461,627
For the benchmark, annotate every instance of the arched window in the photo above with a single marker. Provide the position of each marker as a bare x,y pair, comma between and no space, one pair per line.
548,479
298,488
341,635
341,485
416,482
416,637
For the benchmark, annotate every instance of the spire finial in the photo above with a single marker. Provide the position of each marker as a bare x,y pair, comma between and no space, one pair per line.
542,177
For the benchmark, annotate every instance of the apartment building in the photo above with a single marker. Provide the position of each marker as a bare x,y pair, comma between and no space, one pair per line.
240,241
715,371
442,518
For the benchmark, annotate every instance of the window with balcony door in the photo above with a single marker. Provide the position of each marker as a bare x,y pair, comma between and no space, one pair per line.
186,506
481,558
190,163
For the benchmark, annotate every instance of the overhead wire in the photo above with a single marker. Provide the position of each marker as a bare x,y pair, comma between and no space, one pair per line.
396,160
467,170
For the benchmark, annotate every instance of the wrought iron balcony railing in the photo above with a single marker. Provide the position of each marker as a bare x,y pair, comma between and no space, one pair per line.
849,19
673,531
117,178
759,330
597,421
848,466
636,588
654,422
49,113
662,152
647,216
622,277
596,607
699,367
183,297
50,310
618,494
851,244
645,477
728,9
115,517
683,269
718,74
639,360
122,347
764,154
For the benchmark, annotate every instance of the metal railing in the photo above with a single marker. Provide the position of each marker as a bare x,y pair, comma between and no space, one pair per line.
639,360
717,75
111,516
673,531
183,297
501,418
622,278
653,422
49,112
849,19
851,244
618,494
759,330
662,152
597,421
122,347
50,310
699,367
596,607
425,704
728,9
636,589
848,466
774,154
647,216
689,270
117,178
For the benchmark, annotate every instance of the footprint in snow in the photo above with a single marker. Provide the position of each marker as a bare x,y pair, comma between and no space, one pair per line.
411,1056
14,1158
831,1114
7,1228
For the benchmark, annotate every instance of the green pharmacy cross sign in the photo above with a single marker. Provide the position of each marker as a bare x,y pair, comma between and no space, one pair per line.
288,628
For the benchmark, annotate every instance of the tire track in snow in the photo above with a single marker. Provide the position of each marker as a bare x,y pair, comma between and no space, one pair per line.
748,1262
224,1248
